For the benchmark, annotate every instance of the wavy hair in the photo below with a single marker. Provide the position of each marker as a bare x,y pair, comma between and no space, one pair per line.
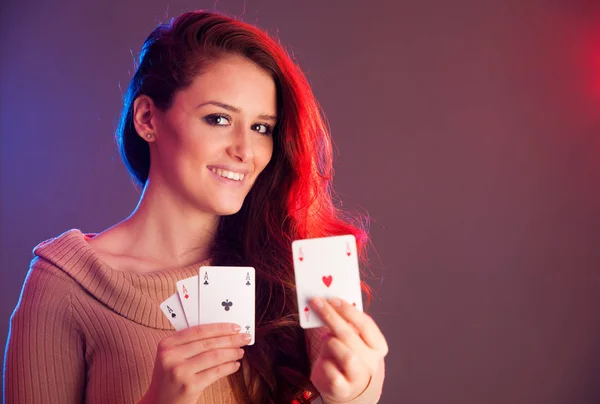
291,199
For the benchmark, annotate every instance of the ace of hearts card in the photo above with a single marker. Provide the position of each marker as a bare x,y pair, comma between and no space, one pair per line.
325,267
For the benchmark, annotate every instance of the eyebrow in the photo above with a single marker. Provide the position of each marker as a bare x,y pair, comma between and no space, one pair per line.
235,109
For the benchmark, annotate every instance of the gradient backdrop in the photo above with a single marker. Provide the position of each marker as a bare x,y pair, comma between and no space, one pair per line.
469,130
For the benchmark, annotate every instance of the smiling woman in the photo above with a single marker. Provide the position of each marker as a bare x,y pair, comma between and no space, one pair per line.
222,133
204,150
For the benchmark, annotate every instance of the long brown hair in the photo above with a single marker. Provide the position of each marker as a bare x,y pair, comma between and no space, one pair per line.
291,199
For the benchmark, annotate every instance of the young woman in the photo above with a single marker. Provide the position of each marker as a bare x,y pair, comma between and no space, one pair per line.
222,133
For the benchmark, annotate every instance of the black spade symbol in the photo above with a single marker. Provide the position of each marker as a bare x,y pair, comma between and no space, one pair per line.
173,315
227,305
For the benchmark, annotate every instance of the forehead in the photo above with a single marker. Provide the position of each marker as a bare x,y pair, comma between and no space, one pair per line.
233,80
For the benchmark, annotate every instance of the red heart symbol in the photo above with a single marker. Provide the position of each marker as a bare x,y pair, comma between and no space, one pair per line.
348,253
301,258
327,280
306,313
187,296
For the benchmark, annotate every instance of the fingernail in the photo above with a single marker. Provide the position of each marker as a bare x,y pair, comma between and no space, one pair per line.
247,337
318,302
236,328
334,301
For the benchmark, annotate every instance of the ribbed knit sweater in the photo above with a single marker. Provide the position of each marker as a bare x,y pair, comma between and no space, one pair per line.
85,332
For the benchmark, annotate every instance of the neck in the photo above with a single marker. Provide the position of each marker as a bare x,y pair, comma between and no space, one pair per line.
167,231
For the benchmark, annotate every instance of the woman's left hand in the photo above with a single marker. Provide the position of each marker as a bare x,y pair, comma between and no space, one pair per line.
351,352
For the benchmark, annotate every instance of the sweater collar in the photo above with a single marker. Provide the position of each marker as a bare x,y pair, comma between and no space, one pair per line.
135,296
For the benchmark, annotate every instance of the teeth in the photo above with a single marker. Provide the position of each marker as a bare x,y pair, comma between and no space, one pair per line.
228,174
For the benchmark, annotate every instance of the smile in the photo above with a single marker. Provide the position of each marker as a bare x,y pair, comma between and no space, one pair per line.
228,174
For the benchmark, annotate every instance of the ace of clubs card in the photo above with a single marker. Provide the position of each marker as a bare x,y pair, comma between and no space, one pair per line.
325,267
226,295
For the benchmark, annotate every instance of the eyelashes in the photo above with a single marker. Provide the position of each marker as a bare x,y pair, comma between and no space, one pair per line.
216,119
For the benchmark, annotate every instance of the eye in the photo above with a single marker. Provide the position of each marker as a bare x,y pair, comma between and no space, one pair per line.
264,128
217,119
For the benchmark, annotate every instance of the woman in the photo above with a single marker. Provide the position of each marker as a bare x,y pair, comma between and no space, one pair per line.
221,131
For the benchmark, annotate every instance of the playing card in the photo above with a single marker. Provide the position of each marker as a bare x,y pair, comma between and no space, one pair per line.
226,295
325,267
174,312
188,295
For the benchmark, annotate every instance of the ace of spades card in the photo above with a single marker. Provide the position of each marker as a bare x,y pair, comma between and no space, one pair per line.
226,295
174,312
325,267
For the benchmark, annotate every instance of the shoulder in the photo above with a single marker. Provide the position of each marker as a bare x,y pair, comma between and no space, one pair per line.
43,274
43,270
45,285
45,300
46,279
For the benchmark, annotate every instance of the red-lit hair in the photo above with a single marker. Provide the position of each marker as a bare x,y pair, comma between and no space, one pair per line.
291,199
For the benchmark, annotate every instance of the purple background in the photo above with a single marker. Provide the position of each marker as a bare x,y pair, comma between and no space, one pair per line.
469,130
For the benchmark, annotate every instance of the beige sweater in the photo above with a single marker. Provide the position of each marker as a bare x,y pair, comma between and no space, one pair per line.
84,332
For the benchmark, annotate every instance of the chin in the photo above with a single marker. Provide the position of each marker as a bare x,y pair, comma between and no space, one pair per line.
227,209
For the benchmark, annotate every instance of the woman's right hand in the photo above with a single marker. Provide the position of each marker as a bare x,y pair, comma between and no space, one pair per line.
190,360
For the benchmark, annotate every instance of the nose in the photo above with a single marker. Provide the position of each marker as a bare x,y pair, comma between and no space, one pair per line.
241,146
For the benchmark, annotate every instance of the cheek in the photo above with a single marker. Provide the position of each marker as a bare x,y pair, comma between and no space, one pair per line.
265,153
187,158
176,144
197,147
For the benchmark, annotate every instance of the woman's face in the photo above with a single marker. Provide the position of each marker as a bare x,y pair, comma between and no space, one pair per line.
216,138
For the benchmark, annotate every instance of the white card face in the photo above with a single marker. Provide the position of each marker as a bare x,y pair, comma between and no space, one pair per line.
325,267
226,295
188,296
174,312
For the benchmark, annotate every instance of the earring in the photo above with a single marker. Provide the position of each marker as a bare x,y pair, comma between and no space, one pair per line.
148,135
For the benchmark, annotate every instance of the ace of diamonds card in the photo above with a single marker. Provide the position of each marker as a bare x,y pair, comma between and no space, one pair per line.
325,267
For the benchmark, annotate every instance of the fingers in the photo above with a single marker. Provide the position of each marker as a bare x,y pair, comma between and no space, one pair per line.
336,323
336,382
346,360
194,348
208,377
196,357
200,332
207,366
214,358
338,312
364,324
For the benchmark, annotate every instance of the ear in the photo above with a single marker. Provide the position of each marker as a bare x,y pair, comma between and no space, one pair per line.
144,117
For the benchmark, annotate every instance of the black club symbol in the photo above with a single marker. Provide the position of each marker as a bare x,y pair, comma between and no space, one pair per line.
227,305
